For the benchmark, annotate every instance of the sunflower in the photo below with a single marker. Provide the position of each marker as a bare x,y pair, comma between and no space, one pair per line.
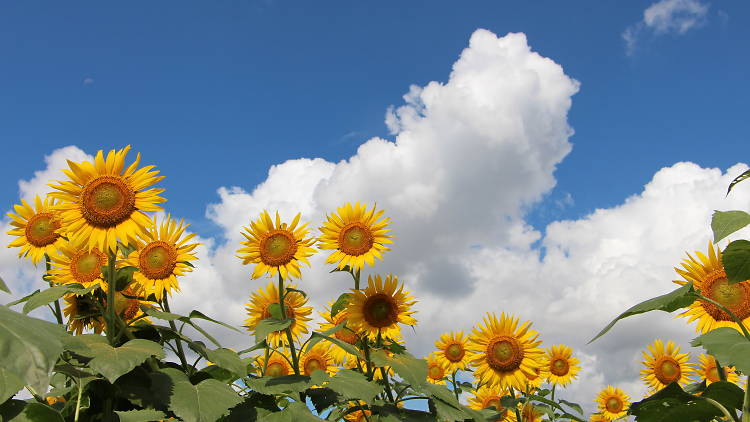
318,357
707,370
665,366
613,403
259,308
507,355
37,229
708,276
452,350
529,413
161,256
128,306
278,365
598,417
381,307
344,334
276,248
103,201
539,375
437,370
357,235
562,367
78,264
360,415
82,314
487,397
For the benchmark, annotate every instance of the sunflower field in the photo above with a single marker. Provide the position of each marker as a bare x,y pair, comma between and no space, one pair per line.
111,349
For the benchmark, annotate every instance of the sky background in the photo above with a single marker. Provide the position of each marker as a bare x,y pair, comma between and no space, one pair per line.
584,154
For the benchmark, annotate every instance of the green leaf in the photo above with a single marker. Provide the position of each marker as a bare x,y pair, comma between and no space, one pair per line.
315,337
145,415
269,325
575,406
728,346
673,404
3,286
724,223
669,302
353,385
201,315
738,179
113,362
258,346
53,293
126,249
340,304
322,398
227,359
35,346
275,310
123,277
726,393
289,290
736,260
164,316
412,370
204,402
286,384
255,407
23,299
19,411
10,384
294,412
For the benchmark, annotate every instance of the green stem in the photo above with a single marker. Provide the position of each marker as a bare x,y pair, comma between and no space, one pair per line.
383,372
356,276
453,380
57,311
746,403
295,361
513,395
730,313
720,407
78,399
720,370
180,350
111,314
552,397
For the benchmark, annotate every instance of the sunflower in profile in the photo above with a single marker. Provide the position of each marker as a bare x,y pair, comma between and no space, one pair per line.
437,370
360,415
708,276
37,229
381,307
276,248
506,353
79,264
562,367
278,365
162,255
538,376
452,350
344,334
82,314
259,308
707,370
128,306
104,202
613,403
489,397
665,365
317,357
356,234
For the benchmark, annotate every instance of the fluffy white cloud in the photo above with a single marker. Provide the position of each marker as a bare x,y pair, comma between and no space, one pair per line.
666,16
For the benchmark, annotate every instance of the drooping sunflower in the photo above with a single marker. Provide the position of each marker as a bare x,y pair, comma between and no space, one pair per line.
452,350
487,397
161,256
344,334
104,202
356,234
276,248
562,367
259,308
437,370
318,357
37,229
360,415
82,314
277,366
612,402
78,264
707,370
507,355
665,365
381,307
708,275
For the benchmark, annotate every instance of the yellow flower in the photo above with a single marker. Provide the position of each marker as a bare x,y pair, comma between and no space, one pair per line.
708,276
538,376
344,334
37,229
357,235
452,350
78,264
161,256
598,417
103,201
381,307
613,403
318,357
128,306
436,370
507,355
82,313
528,411
276,248
360,415
707,370
562,367
487,397
278,365
259,308
665,366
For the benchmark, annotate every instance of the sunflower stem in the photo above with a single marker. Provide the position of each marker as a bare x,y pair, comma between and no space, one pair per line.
295,361
720,407
453,380
111,314
57,311
513,396
180,350
730,313
720,370
383,372
746,403
552,397
356,275
78,399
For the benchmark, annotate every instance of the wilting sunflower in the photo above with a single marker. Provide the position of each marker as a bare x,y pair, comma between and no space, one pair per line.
161,256
562,367
318,357
613,403
506,354
82,313
278,365
487,397
437,370
381,307
103,201
78,264
708,275
344,334
37,229
665,366
276,248
360,415
259,308
707,370
452,350
358,236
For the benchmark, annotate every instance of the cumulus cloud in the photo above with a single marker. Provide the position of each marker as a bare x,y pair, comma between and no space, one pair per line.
664,17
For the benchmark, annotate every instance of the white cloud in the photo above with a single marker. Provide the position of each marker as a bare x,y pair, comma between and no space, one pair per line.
88,81
666,16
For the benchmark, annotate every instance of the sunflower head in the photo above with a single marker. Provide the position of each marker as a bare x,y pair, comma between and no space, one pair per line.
277,365
437,370
78,264
82,314
612,402
452,350
489,397
529,413
344,334
37,229
665,365
357,235
362,414
103,202
381,307
260,307
707,370
319,357
561,366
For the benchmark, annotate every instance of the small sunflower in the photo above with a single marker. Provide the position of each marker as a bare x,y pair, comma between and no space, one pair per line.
529,413
437,370
487,397
598,417
278,365
128,306
104,202
539,375
361,415
708,276
82,314
665,366
79,264
613,403
318,357
507,355
357,235
161,256
276,248
381,307
452,350
562,367
707,370
344,334
37,229
259,308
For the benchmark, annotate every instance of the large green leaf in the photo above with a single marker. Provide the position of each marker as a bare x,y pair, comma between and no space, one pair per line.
33,344
255,407
227,359
294,412
673,404
287,384
46,296
19,411
145,415
316,337
353,385
738,179
669,302
269,325
10,384
205,402
728,345
724,223
736,260
3,286
113,362
726,393
412,370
